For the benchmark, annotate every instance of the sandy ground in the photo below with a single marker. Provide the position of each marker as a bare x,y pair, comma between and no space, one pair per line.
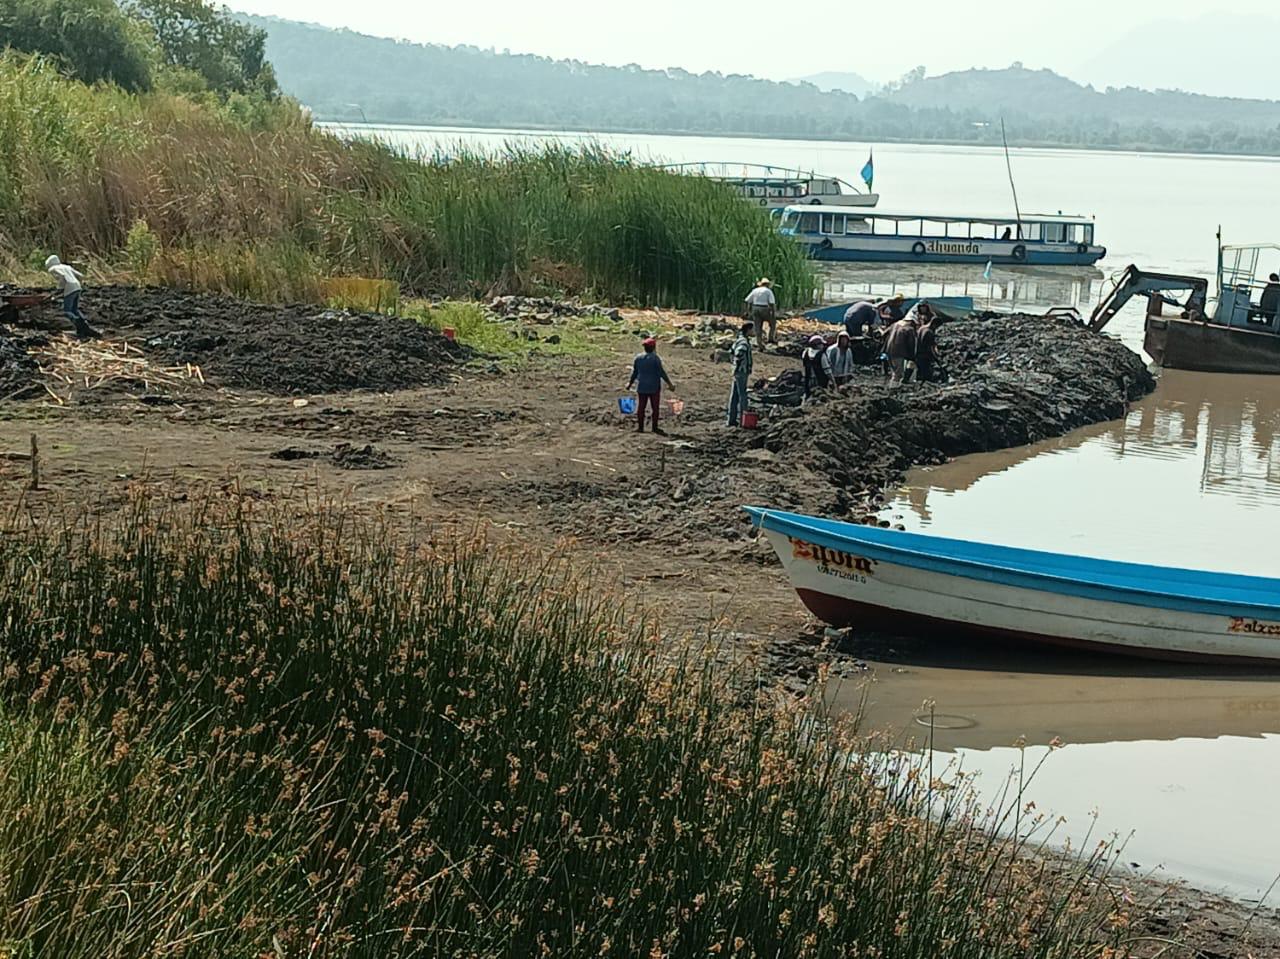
540,457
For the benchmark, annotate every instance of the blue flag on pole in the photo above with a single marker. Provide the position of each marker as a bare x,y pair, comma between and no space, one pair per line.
869,171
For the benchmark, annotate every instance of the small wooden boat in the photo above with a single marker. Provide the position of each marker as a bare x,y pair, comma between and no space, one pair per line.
950,306
866,576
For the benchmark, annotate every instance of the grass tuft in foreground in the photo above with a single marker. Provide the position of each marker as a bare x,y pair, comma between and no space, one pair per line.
237,734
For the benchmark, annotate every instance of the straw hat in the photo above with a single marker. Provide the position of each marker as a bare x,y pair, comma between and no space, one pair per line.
765,281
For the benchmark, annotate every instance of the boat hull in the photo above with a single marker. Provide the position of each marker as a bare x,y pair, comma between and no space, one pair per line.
1178,344
862,585
1032,257
953,306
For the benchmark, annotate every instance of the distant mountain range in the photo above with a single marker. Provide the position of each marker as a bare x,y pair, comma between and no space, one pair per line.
1043,93
347,76
853,83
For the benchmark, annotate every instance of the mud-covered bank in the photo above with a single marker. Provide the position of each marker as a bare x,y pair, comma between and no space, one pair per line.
1009,381
296,349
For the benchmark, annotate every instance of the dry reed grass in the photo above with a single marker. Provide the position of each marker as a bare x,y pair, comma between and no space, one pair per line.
235,730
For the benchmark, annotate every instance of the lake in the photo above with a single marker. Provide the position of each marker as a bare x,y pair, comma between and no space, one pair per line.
1188,759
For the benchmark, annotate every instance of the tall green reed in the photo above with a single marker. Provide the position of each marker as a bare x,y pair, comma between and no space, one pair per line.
81,167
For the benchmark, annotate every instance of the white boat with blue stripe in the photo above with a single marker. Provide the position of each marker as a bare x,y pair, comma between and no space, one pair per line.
838,233
850,575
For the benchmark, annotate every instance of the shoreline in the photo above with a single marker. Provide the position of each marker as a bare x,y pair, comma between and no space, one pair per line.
460,127
538,454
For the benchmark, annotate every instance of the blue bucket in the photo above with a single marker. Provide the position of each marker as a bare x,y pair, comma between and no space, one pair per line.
627,405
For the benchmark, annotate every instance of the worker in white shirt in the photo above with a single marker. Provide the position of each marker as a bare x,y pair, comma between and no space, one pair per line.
69,288
762,308
838,361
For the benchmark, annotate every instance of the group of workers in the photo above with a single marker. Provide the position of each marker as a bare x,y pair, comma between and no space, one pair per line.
908,342
907,339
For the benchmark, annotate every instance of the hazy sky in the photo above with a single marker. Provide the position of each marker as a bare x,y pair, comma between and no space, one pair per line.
881,40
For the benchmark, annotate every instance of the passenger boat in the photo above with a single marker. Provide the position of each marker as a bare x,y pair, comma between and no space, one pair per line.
851,575
1234,334
835,233
773,188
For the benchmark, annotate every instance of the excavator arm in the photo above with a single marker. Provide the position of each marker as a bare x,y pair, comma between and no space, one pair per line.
1135,282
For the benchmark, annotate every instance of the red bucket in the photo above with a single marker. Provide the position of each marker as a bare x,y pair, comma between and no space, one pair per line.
750,420
449,333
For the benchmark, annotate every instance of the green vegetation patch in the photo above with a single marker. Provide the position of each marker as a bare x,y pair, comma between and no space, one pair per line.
239,734
510,342
259,203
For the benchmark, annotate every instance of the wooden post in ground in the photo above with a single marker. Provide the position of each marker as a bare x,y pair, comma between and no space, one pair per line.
35,464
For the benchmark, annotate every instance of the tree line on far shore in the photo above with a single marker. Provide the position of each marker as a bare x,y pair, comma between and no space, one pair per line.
383,80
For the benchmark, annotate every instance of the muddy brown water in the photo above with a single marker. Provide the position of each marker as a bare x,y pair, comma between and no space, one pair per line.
1187,757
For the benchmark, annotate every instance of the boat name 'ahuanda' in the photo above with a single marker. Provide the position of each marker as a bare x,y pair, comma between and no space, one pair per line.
832,557
964,249
1241,624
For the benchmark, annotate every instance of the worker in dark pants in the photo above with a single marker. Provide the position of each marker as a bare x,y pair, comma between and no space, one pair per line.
740,353
69,289
647,376
1269,305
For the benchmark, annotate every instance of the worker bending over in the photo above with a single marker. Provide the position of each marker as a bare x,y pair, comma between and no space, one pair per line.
762,308
69,288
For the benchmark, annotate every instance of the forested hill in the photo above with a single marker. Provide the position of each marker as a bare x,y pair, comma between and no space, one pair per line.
1043,93
343,75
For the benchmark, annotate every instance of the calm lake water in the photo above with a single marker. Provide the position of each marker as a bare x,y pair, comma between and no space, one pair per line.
1187,759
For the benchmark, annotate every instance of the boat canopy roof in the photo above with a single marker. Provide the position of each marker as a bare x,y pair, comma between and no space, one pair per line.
879,214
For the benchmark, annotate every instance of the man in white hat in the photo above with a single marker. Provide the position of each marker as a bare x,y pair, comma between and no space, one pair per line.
762,308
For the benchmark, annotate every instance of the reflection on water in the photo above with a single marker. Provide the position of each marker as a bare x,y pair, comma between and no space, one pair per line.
1026,289
1191,477
1196,809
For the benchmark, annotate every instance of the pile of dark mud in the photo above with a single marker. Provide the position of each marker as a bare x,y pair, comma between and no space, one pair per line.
344,456
1010,381
19,372
288,350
